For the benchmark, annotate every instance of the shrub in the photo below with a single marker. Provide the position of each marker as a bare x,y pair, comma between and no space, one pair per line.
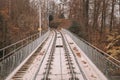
74,27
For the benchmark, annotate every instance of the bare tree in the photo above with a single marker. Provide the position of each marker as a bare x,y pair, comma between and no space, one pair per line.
112,15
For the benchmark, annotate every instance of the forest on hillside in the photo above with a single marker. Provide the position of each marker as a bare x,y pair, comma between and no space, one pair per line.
19,19
96,21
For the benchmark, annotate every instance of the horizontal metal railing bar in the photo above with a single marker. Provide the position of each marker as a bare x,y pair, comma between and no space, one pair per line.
14,58
14,44
102,52
18,42
12,52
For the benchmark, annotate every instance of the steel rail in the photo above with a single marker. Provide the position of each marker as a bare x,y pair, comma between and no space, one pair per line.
50,59
42,59
72,72
108,65
16,59
33,57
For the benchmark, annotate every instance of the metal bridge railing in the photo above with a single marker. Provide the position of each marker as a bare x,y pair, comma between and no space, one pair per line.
12,55
108,65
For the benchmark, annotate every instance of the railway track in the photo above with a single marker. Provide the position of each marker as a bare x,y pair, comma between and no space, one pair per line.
68,57
61,53
50,59
57,62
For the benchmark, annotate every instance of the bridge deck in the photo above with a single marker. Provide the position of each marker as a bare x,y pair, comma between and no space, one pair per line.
59,59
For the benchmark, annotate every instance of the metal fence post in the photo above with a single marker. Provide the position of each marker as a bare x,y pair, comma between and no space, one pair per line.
2,69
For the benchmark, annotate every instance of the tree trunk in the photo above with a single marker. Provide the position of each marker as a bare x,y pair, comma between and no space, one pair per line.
112,15
103,17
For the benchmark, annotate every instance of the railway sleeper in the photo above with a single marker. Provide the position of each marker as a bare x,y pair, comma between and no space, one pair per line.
59,37
17,78
49,67
46,79
51,57
46,73
18,75
71,67
68,60
73,78
21,71
69,63
49,64
66,54
72,72
27,65
24,68
50,60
